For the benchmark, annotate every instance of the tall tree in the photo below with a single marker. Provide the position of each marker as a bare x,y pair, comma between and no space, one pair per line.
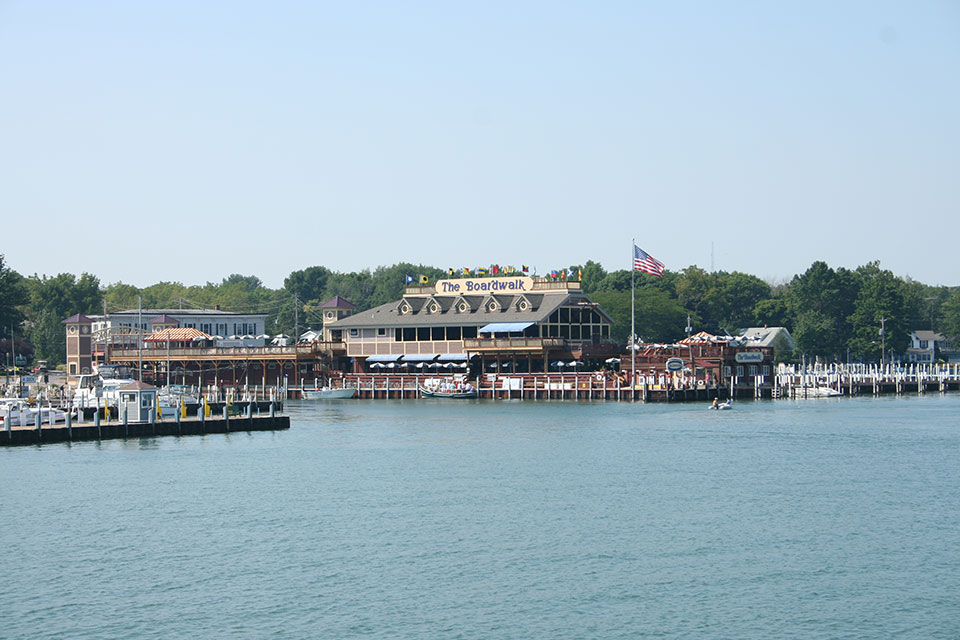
879,303
51,301
821,302
951,318
13,294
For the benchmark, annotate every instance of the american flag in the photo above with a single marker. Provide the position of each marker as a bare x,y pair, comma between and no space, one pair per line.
643,261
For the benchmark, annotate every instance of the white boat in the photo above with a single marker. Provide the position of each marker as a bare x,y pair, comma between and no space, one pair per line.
815,392
101,388
22,414
722,405
326,393
455,393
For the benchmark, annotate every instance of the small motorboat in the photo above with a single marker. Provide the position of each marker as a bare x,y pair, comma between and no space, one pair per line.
456,394
327,393
722,405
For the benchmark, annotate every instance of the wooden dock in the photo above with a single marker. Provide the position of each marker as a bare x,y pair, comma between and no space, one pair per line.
102,430
788,382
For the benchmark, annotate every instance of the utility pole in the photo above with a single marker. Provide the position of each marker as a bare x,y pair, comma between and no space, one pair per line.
883,341
139,338
296,319
689,331
633,320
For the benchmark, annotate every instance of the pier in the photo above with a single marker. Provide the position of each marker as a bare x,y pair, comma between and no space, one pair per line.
790,381
101,429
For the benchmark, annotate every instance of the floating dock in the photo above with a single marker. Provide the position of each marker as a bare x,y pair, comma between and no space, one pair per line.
87,431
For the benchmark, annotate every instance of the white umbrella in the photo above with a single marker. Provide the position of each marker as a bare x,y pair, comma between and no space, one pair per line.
559,363
376,365
200,338
263,336
234,337
282,336
216,337
572,363
247,337
612,360
492,365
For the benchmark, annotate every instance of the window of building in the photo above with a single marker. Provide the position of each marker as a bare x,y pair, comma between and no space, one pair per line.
564,315
924,344
381,331
409,334
423,333
453,333
739,370
354,333
436,333
753,370
469,332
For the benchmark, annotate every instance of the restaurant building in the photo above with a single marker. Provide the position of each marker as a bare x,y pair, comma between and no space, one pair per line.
521,324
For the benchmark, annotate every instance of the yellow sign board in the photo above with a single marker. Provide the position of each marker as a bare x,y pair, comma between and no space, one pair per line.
473,286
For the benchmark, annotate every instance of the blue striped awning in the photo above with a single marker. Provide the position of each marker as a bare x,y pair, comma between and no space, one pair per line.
505,327
420,357
452,357
383,358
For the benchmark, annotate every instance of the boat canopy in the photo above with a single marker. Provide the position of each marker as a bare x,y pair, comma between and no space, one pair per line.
504,327
452,357
420,357
384,358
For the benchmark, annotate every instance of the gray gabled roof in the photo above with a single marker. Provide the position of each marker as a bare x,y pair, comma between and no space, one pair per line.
386,315
765,336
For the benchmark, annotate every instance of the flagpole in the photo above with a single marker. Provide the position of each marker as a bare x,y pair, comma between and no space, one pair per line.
633,321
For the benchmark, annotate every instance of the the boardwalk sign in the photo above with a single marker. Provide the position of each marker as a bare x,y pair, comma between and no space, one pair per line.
750,356
462,286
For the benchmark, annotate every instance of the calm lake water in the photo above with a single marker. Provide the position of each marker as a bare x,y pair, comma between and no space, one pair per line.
831,518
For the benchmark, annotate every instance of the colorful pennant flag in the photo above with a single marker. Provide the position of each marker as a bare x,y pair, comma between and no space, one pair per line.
409,279
424,279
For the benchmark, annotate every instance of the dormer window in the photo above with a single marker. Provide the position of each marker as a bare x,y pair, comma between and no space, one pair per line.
462,307
329,315
404,309
434,307
493,306
523,305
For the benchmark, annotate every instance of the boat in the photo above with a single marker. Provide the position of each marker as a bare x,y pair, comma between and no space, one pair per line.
722,405
22,414
327,393
457,394
101,388
816,392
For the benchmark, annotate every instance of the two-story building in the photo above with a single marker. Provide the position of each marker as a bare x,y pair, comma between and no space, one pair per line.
519,322
926,347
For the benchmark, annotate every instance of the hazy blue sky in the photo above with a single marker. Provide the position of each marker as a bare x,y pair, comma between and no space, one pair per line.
147,141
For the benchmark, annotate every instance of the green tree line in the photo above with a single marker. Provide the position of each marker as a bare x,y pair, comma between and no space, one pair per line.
833,314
